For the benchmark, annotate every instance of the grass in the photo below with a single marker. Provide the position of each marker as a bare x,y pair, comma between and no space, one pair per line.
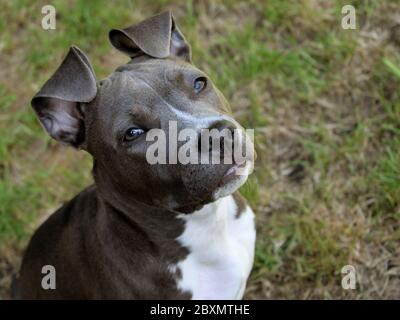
324,103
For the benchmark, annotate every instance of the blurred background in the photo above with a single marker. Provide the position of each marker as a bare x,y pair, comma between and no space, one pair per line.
324,103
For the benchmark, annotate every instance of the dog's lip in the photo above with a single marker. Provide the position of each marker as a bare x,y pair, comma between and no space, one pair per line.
230,174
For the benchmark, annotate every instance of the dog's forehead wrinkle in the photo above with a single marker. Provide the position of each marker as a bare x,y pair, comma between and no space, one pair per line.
149,86
152,82
125,86
182,115
152,67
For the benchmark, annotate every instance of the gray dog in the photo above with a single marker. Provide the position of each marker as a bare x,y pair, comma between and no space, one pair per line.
142,231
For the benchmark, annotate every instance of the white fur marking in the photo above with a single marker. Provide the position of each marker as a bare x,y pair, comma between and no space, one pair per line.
221,251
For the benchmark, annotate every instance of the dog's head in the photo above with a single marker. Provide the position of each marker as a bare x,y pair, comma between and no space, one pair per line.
158,89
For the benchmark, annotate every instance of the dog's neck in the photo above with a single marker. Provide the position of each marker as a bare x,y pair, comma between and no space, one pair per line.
119,207
122,222
123,200
116,197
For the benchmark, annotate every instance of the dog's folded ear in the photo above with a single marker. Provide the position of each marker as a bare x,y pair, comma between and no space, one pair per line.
158,37
58,103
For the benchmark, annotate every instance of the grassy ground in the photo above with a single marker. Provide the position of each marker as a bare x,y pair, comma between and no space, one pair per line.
324,103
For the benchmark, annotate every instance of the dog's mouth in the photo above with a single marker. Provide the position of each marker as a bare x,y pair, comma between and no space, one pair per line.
233,179
235,172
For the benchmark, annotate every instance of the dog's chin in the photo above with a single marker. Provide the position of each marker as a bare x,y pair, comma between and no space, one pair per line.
233,179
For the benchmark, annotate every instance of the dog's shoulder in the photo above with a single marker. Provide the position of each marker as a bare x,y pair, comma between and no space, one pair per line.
54,227
81,207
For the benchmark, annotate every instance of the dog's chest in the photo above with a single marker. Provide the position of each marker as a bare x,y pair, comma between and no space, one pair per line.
221,251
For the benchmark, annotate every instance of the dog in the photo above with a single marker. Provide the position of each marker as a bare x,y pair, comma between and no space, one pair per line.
142,231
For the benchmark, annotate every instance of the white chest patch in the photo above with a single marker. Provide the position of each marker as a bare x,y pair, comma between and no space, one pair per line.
221,247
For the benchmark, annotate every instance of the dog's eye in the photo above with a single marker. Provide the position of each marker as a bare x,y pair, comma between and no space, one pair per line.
199,84
133,133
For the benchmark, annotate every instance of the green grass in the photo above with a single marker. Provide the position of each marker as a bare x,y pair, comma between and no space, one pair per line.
324,104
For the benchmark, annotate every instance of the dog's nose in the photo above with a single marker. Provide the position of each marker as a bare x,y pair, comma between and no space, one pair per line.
223,124
219,137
